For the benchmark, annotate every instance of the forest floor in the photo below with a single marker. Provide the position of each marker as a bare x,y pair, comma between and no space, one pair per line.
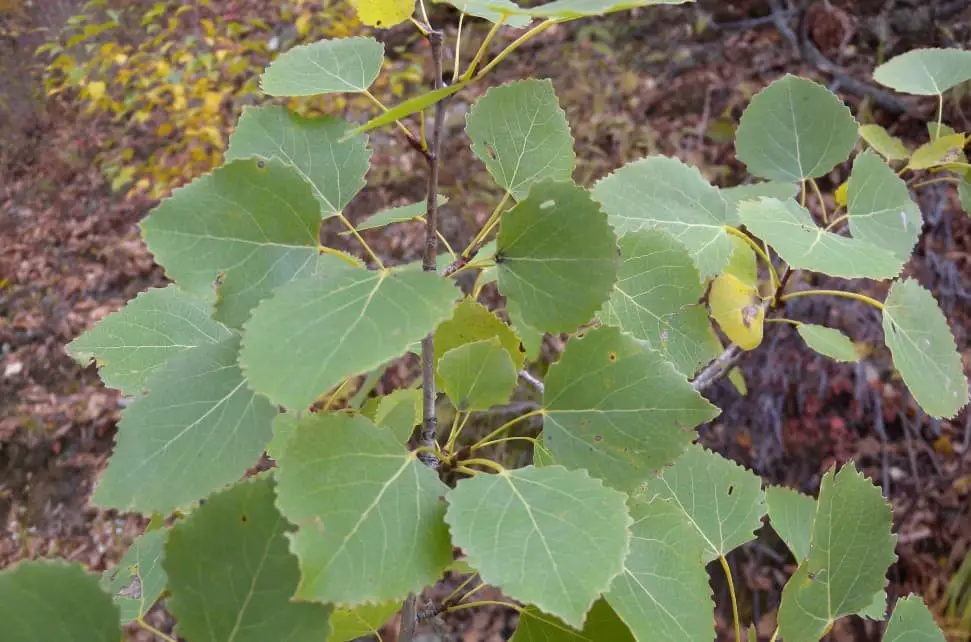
670,80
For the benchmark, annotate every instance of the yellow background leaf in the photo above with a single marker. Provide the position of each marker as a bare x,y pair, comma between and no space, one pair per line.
383,13
737,308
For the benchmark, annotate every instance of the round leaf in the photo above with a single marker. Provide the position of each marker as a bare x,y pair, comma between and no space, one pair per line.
794,129
923,349
368,512
938,152
618,409
832,343
325,67
52,600
528,532
790,230
737,308
478,375
880,208
470,322
231,575
138,579
664,192
883,143
912,621
925,72
520,132
399,412
557,257
491,10
360,622
383,14
317,330
200,419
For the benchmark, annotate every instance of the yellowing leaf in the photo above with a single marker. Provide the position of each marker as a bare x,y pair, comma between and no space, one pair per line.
841,193
383,13
303,24
945,149
737,308
212,101
96,90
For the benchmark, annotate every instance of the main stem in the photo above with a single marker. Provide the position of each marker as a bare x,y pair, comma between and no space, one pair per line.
429,428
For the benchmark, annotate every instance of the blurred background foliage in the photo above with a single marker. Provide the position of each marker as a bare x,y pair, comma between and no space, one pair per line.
167,80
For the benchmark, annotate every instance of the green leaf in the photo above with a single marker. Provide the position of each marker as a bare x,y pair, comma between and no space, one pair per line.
231,575
531,339
912,621
602,624
663,593
53,600
880,208
832,343
791,514
520,132
527,531
723,501
851,550
923,349
541,454
790,230
368,512
490,10
138,579
228,224
325,67
656,299
199,419
478,375
794,129
743,264
964,194
401,214
472,322
284,424
938,152
133,342
317,330
360,622
409,107
883,143
562,10
754,191
935,131
558,257
618,409
663,192
877,609
925,72
317,148
400,412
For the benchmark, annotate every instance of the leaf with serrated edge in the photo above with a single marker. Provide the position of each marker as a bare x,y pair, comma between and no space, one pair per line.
663,592
791,232
754,191
531,339
520,132
400,214
923,349
324,67
851,549
883,143
360,622
664,192
571,9
470,322
252,222
491,10
723,501
368,513
880,208
527,531
199,419
558,257
53,600
399,412
478,375
283,426
618,409
791,514
794,129
832,343
131,343
138,579
912,621
231,575
601,625
317,148
656,299
315,331
925,72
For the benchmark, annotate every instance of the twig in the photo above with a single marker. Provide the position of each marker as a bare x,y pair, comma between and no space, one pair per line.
429,428
526,376
718,368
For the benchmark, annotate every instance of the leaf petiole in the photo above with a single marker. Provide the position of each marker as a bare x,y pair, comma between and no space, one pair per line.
506,426
485,463
839,293
762,254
